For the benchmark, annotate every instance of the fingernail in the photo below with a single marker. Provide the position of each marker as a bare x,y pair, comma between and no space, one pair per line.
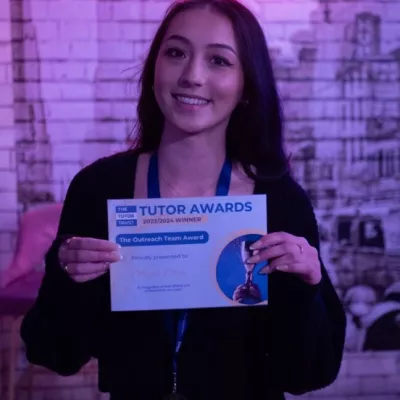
255,246
116,254
282,267
254,259
265,270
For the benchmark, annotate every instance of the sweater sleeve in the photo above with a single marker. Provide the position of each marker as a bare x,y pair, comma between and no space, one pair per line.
307,323
58,330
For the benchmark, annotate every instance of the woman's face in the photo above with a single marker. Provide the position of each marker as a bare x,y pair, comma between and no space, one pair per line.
198,75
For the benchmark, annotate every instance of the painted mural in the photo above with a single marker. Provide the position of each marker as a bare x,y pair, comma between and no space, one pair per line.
341,93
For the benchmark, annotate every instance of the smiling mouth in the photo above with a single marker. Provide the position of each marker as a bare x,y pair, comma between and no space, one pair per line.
193,101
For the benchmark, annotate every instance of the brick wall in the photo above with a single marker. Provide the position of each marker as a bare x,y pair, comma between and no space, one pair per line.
364,376
8,173
68,75
55,52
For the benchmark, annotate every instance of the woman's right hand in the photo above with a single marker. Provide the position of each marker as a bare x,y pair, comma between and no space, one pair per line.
84,259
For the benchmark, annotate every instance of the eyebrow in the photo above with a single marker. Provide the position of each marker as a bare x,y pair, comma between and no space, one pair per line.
210,45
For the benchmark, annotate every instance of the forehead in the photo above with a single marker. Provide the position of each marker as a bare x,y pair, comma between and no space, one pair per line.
203,26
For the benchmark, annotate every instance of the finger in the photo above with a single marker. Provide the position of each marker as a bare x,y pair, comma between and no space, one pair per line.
305,271
294,268
86,277
83,243
273,252
86,268
282,264
274,238
288,258
254,292
238,298
265,270
87,256
239,292
235,296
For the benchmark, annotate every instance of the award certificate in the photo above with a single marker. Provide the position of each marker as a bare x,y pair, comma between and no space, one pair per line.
186,253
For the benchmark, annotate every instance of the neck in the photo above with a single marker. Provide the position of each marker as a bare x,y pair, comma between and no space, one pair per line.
191,159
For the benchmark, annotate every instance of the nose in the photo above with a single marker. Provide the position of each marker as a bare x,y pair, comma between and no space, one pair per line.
193,74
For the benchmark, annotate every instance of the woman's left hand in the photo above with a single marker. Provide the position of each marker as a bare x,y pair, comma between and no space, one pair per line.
288,253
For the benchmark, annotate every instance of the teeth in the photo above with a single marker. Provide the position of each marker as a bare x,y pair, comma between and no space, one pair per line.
191,100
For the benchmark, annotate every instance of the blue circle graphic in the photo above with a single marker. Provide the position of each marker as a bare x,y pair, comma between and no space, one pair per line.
238,283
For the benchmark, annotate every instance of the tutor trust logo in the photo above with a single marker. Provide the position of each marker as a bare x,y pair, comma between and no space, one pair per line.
126,215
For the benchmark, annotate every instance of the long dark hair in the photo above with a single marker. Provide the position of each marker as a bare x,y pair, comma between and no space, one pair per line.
254,134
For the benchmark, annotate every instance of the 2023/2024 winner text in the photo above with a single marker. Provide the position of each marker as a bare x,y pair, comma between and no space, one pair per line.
169,220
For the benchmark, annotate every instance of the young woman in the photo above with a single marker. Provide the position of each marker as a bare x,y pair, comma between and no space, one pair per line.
208,99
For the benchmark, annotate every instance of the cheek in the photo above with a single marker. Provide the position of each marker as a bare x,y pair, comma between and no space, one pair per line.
229,89
163,76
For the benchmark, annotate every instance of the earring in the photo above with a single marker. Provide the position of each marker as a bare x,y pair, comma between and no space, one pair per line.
245,103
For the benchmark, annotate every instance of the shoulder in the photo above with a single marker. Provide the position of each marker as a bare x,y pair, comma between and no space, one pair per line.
113,167
290,208
287,192
292,186
112,163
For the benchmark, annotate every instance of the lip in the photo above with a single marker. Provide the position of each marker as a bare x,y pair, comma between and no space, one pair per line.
191,96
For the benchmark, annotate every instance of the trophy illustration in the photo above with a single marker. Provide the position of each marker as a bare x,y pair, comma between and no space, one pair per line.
247,291
246,253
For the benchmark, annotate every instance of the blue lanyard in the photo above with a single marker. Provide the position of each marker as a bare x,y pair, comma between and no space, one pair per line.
153,192
153,182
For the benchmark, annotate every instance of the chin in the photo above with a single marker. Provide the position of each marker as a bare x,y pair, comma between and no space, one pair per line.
192,130
191,127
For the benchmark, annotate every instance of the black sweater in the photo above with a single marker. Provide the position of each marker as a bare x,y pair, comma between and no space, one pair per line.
294,345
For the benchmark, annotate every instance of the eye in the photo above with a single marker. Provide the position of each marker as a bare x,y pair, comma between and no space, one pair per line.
220,61
174,53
